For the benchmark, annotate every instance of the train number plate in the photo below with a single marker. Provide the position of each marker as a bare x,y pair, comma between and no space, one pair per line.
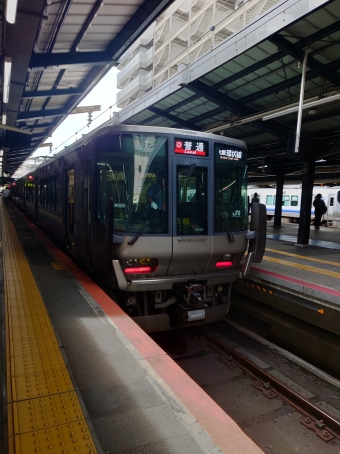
198,314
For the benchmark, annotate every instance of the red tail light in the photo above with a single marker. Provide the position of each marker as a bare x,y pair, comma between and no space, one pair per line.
139,270
224,264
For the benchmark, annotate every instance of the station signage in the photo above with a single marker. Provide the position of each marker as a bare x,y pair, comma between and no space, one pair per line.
191,147
229,153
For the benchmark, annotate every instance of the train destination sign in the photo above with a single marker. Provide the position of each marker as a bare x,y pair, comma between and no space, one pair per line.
190,146
230,154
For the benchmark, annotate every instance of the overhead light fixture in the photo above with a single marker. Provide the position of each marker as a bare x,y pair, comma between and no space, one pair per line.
307,105
11,10
4,119
86,109
7,78
1,152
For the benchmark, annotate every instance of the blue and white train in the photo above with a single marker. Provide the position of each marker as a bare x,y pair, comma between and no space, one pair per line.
291,202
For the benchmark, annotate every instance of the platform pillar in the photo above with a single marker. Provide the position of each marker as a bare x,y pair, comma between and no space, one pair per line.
279,192
308,172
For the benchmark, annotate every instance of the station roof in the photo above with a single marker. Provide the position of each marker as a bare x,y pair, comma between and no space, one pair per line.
58,51
255,73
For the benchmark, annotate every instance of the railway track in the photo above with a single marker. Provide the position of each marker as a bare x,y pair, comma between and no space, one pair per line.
282,406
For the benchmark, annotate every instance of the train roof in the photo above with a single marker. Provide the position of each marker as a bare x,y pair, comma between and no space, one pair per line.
104,129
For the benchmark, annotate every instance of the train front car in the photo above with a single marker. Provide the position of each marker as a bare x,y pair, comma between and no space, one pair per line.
174,206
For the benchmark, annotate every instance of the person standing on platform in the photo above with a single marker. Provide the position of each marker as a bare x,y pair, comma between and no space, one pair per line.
319,210
255,198
6,195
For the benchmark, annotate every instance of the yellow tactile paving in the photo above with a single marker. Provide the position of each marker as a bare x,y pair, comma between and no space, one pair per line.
299,266
44,413
64,439
312,259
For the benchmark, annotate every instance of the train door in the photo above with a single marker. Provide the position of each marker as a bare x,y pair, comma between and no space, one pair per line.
330,205
70,210
192,240
36,200
86,221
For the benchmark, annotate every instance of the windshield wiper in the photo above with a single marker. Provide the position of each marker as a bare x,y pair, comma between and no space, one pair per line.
188,170
229,232
144,226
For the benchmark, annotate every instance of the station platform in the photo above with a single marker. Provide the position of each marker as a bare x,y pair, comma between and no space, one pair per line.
311,271
80,376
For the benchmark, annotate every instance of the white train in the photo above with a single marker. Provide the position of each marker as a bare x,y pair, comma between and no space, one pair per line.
291,202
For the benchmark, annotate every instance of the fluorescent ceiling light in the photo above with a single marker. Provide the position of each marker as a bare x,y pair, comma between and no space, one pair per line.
11,10
1,152
7,78
307,105
86,109
4,119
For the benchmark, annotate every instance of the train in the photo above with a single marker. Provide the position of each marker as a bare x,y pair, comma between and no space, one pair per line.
291,202
157,216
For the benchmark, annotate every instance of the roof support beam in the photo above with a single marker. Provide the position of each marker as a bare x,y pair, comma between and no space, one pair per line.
36,115
52,93
312,74
297,53
237,107
317,36
218,98
39,62
176,120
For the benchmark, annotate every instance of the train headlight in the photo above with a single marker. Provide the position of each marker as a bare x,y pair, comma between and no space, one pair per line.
225,261
141,266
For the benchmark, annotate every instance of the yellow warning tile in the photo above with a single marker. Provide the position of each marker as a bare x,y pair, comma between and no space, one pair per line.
26,365
22,348
63,439
18,325
10,419
11,445
58,266
40,384
37,414
44,414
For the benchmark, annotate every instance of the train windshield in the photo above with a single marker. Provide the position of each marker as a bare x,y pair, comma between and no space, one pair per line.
230,189
132,170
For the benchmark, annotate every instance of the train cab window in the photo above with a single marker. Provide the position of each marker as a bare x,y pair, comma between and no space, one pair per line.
231,203
294,201
192,201
132,170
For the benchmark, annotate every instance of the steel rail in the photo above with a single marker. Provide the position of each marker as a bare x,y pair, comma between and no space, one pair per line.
287,394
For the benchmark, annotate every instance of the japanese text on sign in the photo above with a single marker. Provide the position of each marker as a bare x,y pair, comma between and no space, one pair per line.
186,146
231,154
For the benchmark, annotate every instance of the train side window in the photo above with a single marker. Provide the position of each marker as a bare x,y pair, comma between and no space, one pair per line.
48,193
269,200
294,200
285,200
331,201
338,196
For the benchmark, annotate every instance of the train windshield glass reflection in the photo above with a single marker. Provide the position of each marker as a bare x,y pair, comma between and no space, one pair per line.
192,201
132,170
230,189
